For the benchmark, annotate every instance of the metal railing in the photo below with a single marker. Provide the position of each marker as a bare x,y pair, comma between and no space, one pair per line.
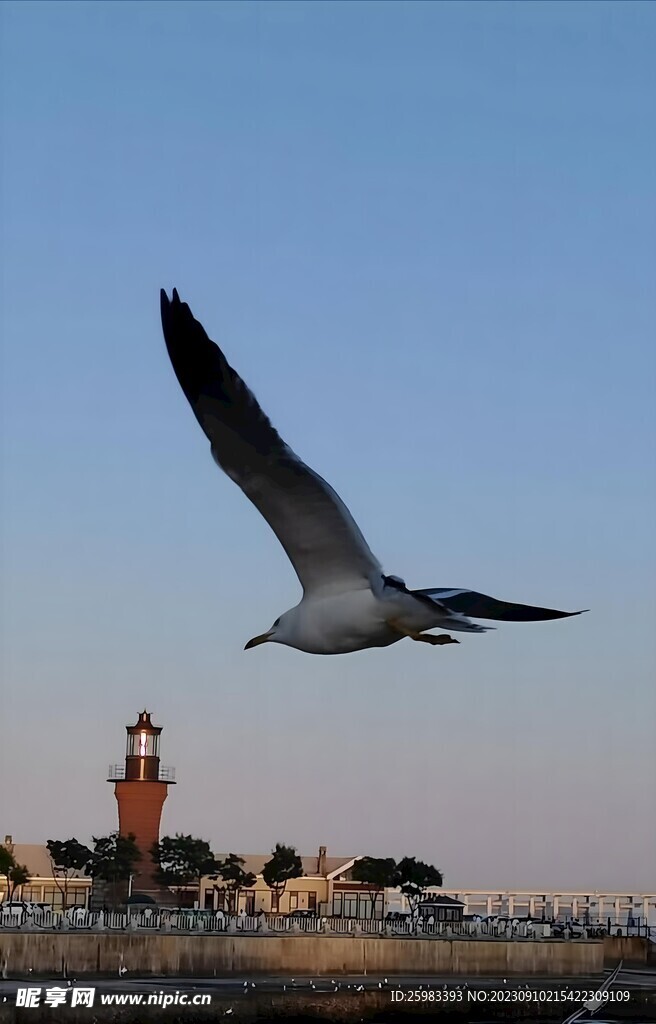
15,918
116,773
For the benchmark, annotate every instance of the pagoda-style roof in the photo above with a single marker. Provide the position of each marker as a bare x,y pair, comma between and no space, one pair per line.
144,724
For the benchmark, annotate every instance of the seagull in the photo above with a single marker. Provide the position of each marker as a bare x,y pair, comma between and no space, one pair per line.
598,999
348,604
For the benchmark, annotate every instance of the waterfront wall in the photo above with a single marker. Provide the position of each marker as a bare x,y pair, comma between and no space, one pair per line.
224,955
628,949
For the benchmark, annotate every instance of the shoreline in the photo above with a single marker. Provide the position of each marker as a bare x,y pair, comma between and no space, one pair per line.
358,999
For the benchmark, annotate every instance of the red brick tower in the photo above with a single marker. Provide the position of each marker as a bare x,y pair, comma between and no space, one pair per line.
141,789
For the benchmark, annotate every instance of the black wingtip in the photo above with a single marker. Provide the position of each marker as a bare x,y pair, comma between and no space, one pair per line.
164,299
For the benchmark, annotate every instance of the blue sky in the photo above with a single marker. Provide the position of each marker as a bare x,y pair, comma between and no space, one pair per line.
424,234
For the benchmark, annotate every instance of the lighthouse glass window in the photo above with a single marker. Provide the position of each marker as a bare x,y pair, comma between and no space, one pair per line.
142,744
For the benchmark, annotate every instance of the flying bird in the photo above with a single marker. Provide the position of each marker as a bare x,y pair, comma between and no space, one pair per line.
348,602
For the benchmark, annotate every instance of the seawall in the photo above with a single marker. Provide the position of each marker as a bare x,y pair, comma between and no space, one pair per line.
91,953
631,950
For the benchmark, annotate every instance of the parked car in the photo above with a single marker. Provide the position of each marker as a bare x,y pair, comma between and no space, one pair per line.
398,915
302,914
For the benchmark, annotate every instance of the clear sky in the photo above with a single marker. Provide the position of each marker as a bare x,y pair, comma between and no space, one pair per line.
424,234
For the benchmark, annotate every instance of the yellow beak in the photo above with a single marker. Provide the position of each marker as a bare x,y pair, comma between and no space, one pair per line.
257,640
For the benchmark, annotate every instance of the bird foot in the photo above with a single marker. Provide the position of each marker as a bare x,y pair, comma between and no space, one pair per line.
426,638
443,638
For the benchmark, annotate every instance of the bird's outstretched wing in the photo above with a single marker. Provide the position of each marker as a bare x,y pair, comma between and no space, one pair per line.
479,606
314,526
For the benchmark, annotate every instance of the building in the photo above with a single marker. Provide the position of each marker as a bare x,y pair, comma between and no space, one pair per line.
141,787
43,886
438,907
325,887
587,907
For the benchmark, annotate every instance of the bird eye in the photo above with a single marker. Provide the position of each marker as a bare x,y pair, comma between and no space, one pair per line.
276,623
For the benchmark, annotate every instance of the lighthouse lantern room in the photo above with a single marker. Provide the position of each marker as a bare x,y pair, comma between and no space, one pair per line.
142,750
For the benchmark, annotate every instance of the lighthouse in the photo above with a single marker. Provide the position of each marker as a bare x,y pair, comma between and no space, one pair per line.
141,787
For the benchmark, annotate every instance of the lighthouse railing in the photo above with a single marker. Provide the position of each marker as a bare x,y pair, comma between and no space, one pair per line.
116,773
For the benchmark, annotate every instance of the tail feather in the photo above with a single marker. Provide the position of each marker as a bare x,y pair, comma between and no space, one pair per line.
462,625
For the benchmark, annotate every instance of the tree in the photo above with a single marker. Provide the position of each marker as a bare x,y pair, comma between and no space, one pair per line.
413,877
7,861
18,876
113,860
232,873
283,865
379,872
15,873
182,861
66,858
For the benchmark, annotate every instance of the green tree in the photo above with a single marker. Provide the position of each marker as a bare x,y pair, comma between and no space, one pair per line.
113,860
67,857
15,873
182,861
413,878
231,872
283,865
7,861
379,872
18,876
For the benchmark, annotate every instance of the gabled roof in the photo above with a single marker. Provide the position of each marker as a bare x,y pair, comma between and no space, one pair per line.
342,868
254,862
437,900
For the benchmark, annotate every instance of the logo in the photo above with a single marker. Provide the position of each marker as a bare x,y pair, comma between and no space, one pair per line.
30,998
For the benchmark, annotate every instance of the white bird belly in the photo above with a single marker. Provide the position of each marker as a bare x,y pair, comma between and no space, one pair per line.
346,622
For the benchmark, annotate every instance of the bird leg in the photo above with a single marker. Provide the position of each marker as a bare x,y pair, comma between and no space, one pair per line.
426,638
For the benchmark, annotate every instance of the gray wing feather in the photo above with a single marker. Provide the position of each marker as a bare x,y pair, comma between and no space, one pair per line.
314,526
